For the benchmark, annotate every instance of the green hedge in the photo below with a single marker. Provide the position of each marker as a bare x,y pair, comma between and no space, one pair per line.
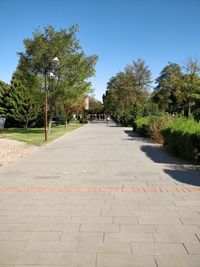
141,126
151,126
182,138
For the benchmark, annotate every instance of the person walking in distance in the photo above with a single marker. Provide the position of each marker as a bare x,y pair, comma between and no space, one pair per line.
108,119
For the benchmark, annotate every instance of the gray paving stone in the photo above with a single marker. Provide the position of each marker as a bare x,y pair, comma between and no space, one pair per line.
28,227
14,236
193,248
99,227
168,228
195,219
129,237
90,219
104,248
15,257
138,228
82,236
120,260
51,246
70,259
172,237
178,260
125,219
159,220
158,249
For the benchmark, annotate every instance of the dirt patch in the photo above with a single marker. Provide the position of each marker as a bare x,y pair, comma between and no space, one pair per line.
11,150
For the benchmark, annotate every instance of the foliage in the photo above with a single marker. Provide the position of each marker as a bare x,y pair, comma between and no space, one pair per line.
95,106
190,92
182,138
21,106
126,117
127,91
141,126
178,88
4,89
152,126
70,84
167,85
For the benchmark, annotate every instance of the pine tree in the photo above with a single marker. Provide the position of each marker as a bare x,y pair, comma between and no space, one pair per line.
3,91
22,106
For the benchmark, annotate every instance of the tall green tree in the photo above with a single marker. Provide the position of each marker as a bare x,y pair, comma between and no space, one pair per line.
169,83
21,106
4,89
178,88
189,95
72,72
128,89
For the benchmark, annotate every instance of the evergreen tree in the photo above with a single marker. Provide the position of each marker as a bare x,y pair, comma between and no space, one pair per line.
22,107
4,88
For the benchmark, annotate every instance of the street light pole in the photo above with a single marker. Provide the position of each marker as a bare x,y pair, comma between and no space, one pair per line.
46,108
56,62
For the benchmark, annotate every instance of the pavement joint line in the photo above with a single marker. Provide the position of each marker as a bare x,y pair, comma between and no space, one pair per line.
101,189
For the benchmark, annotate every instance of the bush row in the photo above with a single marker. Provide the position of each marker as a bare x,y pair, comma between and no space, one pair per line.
180,136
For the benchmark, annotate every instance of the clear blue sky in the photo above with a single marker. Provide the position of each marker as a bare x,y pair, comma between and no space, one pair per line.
118,31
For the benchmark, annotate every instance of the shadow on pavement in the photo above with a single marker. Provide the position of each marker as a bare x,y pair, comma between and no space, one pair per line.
177,169
157,153
136,137
185,175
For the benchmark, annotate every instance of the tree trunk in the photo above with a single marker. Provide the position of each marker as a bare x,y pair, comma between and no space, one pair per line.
26,125
50,123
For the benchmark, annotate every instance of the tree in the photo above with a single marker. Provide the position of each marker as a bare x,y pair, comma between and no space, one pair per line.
128,90
168,85
71,74
21,106
178,89
4,88
189,94
95,106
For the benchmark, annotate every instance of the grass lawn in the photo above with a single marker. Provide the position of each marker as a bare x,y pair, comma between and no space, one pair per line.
35,136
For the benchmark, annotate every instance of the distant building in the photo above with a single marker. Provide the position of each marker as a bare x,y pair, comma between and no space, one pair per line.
86,103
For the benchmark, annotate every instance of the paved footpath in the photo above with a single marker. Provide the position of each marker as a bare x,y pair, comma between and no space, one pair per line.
99,197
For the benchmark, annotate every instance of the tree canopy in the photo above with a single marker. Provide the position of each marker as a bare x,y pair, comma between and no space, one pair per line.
128,89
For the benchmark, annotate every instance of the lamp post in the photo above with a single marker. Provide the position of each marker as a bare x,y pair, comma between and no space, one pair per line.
55,62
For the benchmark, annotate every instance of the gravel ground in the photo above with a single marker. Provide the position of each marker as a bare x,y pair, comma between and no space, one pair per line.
11,150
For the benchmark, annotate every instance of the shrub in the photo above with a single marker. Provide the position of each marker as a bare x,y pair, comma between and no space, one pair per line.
156,125
126,118
151,126
182,138
141,126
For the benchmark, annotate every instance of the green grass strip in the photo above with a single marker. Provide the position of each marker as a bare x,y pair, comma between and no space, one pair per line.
35,136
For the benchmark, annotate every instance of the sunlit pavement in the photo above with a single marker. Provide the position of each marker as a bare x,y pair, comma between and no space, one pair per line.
100,196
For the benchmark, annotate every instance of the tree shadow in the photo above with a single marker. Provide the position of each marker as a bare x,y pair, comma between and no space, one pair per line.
176,168
157,153
185,175
137,137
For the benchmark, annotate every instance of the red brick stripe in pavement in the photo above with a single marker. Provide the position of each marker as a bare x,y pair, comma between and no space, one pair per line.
101,189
